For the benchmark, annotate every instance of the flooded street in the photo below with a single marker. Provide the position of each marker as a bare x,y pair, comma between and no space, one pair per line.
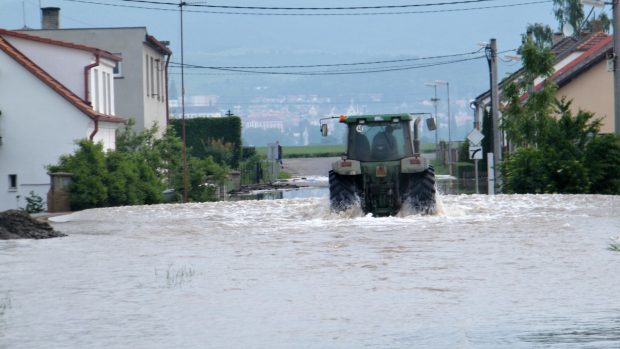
519,271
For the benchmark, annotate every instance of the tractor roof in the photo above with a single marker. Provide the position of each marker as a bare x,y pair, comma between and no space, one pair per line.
350,119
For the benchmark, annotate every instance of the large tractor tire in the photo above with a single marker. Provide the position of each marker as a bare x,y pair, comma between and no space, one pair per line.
421,192
342,192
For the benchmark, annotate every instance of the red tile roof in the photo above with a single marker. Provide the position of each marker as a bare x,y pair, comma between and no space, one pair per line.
54,84
592,41
595,47
102,53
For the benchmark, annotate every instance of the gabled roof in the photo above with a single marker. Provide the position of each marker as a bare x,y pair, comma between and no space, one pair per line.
158,45
561,50
597,48
54,84
94,50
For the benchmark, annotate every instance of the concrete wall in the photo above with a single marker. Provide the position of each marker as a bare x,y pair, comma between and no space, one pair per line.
593,91
37,125
131,93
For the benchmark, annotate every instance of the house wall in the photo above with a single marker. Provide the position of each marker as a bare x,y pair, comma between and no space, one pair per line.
154,88
65,64
102,87
37,125
593,91
131,94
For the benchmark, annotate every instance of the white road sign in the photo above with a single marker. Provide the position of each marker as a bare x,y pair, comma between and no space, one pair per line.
475,152
475,137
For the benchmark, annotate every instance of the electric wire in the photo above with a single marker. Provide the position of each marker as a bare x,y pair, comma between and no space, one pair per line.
333,64
346,71
92,2
365,70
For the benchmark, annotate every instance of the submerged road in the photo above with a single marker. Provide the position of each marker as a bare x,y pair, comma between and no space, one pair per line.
496,272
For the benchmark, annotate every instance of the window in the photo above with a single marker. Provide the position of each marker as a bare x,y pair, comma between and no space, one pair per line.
158,65
109,90
104,79
118,67
12,182
95,97
152,77
146,72
163,82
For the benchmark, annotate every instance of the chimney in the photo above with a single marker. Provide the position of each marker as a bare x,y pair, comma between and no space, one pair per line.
597,26
49,18
557,37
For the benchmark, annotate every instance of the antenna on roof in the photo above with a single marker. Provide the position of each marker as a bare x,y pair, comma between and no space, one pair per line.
568,30
24,14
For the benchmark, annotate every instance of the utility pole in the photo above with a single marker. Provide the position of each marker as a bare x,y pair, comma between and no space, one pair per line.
491,53
616,21
183,133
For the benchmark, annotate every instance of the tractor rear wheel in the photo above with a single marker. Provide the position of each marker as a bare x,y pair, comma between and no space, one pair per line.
342,191
421,192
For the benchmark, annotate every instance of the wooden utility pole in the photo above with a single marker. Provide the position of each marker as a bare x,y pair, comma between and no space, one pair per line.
497,135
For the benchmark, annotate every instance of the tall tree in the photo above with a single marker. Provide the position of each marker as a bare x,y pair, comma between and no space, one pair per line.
569,12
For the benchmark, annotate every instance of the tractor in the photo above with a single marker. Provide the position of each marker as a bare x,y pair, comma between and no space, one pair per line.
382,169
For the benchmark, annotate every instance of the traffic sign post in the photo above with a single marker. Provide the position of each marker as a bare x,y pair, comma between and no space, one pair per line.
475,151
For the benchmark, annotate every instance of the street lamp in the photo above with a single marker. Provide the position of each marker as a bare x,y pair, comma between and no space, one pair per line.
443,82
435,100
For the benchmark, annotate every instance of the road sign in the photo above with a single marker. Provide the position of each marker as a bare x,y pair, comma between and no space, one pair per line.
475,137
475,152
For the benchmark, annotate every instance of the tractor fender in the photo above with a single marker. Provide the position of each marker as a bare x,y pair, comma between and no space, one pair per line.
413,164
347,167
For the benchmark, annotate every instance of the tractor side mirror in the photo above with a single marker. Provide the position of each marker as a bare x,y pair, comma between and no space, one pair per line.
430,123
324,130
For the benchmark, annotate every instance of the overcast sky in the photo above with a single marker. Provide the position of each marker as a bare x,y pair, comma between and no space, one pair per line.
222,39
421,34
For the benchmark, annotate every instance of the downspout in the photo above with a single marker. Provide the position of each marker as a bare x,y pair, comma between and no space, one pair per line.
167,104
87,91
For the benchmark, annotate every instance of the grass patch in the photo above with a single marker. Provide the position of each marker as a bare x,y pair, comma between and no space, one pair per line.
284,175
307,151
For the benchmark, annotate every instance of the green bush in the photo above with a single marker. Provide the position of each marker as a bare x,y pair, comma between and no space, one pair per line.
137,172
34,203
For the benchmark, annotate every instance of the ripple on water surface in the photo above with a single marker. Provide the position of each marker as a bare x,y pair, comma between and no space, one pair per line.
520,271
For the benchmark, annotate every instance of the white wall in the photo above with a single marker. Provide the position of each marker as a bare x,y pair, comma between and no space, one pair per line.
153,70
102,87
65,64
37,126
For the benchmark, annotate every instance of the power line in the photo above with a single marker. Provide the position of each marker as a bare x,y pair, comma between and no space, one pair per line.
309,14
331,65
328,8
348,72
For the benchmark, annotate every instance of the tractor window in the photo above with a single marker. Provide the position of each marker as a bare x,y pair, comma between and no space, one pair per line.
382,141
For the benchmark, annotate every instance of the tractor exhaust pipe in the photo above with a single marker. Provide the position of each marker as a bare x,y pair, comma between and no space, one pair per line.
416,138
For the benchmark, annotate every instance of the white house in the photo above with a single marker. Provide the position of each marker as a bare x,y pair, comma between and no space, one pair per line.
52,93
141,78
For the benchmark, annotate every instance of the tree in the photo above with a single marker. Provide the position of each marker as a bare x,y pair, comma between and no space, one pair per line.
90,175
541,34
569,12
557,151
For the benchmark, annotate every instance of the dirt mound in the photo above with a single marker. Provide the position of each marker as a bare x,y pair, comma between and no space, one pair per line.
19,225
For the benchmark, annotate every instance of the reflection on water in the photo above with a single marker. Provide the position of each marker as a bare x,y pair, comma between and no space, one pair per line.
506,271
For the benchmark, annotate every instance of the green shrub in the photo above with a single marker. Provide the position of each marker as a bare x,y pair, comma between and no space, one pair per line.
34,203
